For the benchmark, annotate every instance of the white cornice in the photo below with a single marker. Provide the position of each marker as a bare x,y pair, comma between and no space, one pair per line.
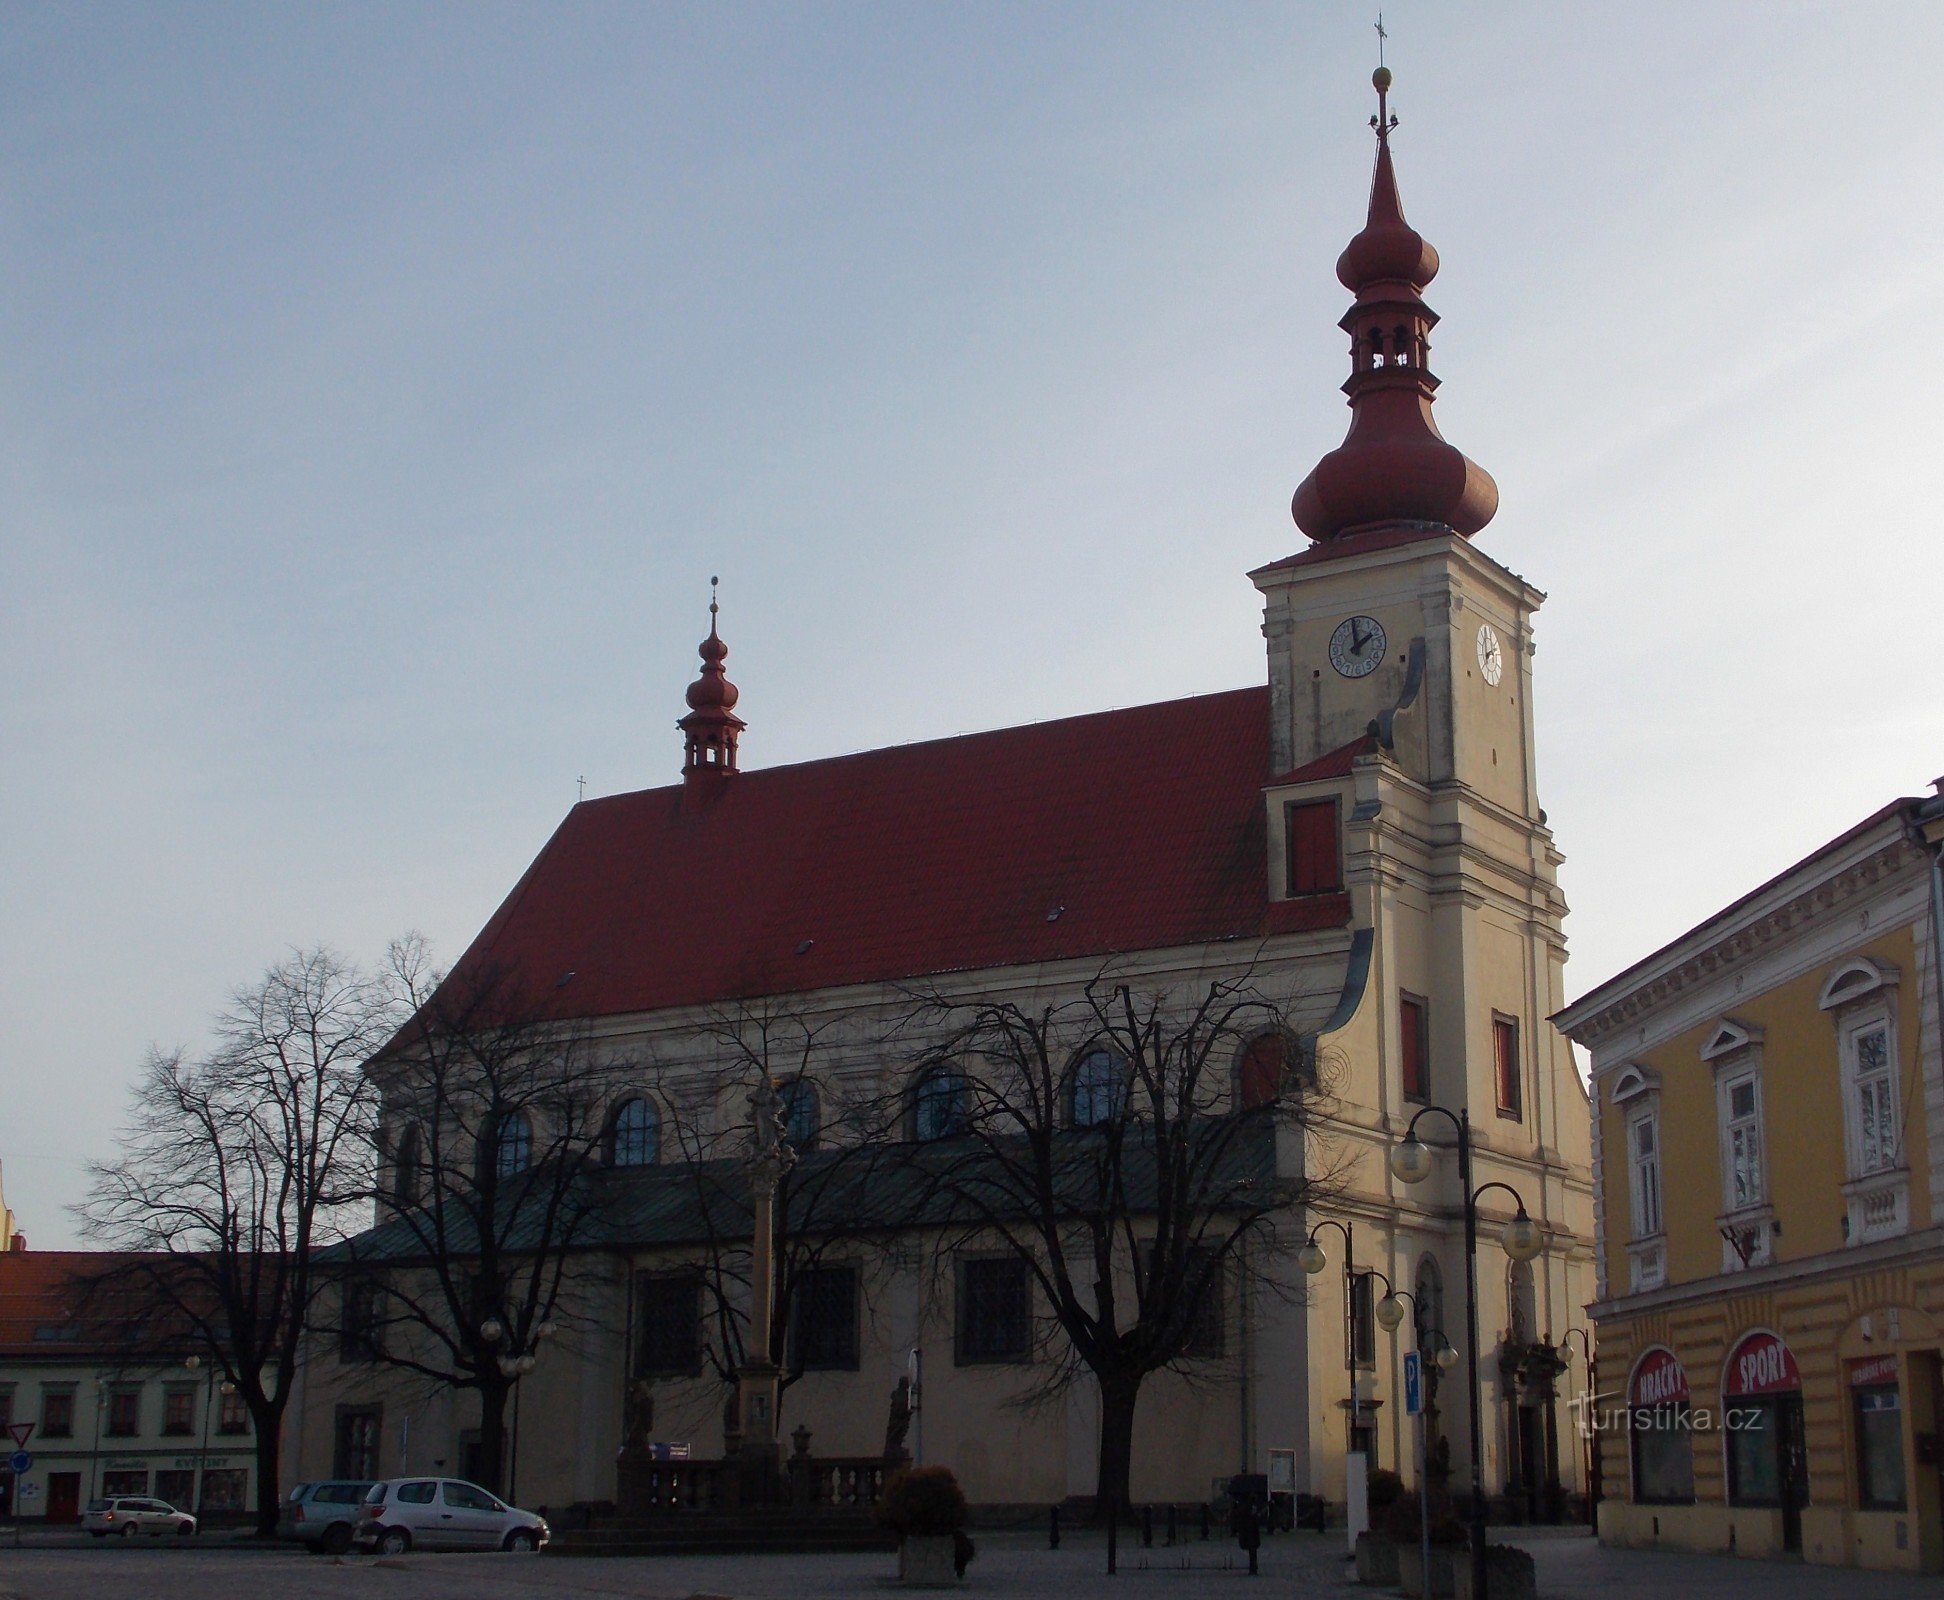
1800,899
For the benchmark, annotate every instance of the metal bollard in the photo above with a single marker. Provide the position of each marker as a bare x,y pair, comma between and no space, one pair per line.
1204,1532
1053,1535
1147,1527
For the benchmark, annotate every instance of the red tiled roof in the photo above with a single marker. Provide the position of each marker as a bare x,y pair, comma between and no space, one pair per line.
1331,764
41,1297
1124,830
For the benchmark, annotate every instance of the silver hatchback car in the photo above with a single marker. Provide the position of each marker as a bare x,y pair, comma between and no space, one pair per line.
403,1514
129,1515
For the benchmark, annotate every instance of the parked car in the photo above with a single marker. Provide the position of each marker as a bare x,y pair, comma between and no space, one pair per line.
323,1515
403,1514
129,1515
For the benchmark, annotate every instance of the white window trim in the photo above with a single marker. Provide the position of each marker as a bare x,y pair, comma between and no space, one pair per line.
1644,1227
1855,978
1876,1203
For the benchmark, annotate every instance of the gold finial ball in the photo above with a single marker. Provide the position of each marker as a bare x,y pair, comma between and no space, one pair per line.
1380,80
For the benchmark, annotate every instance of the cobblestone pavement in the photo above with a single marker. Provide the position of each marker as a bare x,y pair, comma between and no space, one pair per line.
1015,1566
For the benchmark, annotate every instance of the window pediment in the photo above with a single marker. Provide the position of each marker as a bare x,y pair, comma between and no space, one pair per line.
1632,1082
1729,1036
1855,978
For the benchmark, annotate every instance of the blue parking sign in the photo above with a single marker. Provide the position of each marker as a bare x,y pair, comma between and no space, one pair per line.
1413,1383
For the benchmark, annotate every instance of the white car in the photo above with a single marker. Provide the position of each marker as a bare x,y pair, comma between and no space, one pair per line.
129,1515
403,1514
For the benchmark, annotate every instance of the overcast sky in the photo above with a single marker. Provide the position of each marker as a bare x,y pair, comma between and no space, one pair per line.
380,384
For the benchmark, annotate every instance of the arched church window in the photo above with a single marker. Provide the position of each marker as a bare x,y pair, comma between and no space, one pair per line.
940,1108
512,1144
634,1136
1401,344
1099,1087
802,1114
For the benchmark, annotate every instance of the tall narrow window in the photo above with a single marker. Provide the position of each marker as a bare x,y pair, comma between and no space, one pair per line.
634,1137
802,1116
1742,1143
1643,1144
939,1104
823,1330
1099,1088
1873,1096
1259,1074
406,1166
512,1144
668,1324
1363,1322
1415,1044
1505,1067
1313,864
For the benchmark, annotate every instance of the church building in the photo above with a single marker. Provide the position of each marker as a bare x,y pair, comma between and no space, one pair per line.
1359,832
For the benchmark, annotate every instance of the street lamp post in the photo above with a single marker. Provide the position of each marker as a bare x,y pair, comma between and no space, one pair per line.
1390,1312
1522,1239
1312,1260
1589,1435
514,1364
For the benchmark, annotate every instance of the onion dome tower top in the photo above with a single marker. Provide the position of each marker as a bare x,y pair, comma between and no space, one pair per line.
1394,467
711,728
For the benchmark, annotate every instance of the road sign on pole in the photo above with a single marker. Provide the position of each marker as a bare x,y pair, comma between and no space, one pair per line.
20,1432
19,1462
1413,1384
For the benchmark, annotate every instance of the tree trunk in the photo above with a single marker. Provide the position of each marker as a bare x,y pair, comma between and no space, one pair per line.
1117,1400
269,1444
492,1434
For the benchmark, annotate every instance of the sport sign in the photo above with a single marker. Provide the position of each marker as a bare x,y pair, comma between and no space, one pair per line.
1762,1364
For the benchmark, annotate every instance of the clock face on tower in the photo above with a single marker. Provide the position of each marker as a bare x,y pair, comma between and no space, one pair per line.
1357,646
1491,659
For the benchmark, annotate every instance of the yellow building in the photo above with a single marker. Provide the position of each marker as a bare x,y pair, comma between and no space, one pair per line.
1768,1105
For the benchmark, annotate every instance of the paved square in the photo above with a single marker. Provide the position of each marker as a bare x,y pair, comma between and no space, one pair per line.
1014,1566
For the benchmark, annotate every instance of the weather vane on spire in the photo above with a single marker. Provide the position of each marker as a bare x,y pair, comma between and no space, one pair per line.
1380,80
713,581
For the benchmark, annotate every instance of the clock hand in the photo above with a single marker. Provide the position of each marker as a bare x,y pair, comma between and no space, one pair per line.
1357,638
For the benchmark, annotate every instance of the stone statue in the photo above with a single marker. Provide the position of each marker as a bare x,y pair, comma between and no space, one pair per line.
638,1418
900,1421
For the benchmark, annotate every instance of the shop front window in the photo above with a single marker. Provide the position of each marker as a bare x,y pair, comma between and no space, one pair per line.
1879,1434
1658,1432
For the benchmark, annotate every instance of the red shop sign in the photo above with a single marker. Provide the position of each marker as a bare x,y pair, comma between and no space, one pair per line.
1658,1380
1762,1364
1875,1370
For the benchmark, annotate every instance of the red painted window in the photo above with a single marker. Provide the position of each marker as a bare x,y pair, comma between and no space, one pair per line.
1261,1074
1505,1064
1417,1065
1313,867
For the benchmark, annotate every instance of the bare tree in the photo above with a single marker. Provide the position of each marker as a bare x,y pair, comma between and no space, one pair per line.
235,1167
1141,1155
493,1130
824,1217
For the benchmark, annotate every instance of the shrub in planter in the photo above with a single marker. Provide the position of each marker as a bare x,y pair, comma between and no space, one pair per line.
1403,1522
921,1503
1384,1490
1509,1571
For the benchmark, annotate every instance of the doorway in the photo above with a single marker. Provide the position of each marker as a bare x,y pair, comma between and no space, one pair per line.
64,1497
1792,1469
